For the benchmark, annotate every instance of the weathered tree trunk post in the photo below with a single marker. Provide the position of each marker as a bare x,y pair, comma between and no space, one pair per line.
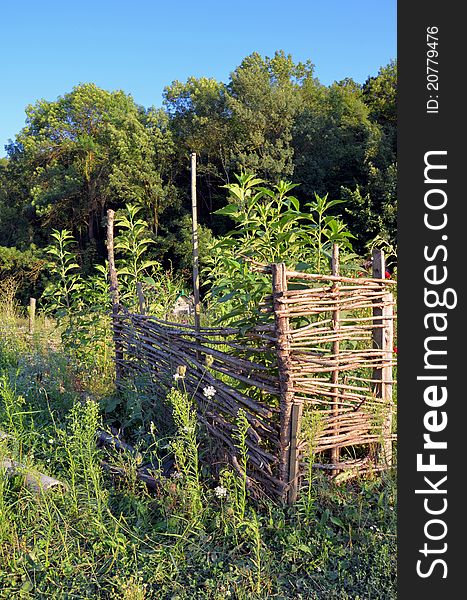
383,340
194,214
335,452
291,412
32,314
114,295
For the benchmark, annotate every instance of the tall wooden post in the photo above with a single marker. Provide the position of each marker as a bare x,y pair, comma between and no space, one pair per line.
383,340
114,295
32,314
291,411
140,295
194,214
335,452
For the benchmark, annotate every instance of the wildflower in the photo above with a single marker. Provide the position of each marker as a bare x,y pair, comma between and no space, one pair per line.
209,391
395,349
220,491
387,274
181,370
51,441
176,475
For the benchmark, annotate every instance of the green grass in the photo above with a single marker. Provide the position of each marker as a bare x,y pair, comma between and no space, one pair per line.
108,537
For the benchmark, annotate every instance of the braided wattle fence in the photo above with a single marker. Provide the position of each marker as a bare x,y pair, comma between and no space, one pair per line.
314,382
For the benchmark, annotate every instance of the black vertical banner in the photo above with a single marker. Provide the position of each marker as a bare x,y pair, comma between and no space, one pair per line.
432,349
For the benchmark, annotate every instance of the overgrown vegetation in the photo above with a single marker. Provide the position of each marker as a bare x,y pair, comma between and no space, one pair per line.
193,531
107,536
92,149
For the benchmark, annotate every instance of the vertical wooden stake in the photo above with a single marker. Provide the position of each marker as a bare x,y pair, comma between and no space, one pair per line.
291,412
139,293
194,214
32,314
114,295
335,452
383,340
386,376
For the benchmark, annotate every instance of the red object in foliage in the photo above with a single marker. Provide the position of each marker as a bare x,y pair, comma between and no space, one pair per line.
387,274
395,349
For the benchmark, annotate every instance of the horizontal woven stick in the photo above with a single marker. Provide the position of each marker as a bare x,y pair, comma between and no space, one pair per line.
238,347
315,400
344,400
348,418
176,329
347,443
369,380
327,291
298,334
325,306
309,311
313,343
369,318
331,441
314,364
338,278
328,384
343,465
309,326
316,309
223,357
310,299
323,365
347,330
346,426
252,381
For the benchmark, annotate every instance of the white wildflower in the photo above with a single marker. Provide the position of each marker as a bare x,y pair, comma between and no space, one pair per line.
220,491
176,475
209,391
181,372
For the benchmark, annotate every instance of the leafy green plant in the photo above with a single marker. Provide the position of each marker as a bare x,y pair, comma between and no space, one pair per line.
132,243
185,449
66,281
269,227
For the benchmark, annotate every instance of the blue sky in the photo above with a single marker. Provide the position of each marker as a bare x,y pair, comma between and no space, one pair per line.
141,46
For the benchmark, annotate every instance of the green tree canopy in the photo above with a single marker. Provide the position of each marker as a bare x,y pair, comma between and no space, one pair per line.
88,149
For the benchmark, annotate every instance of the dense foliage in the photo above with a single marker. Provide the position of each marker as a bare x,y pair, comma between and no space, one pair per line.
105,535
91,149
197,533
